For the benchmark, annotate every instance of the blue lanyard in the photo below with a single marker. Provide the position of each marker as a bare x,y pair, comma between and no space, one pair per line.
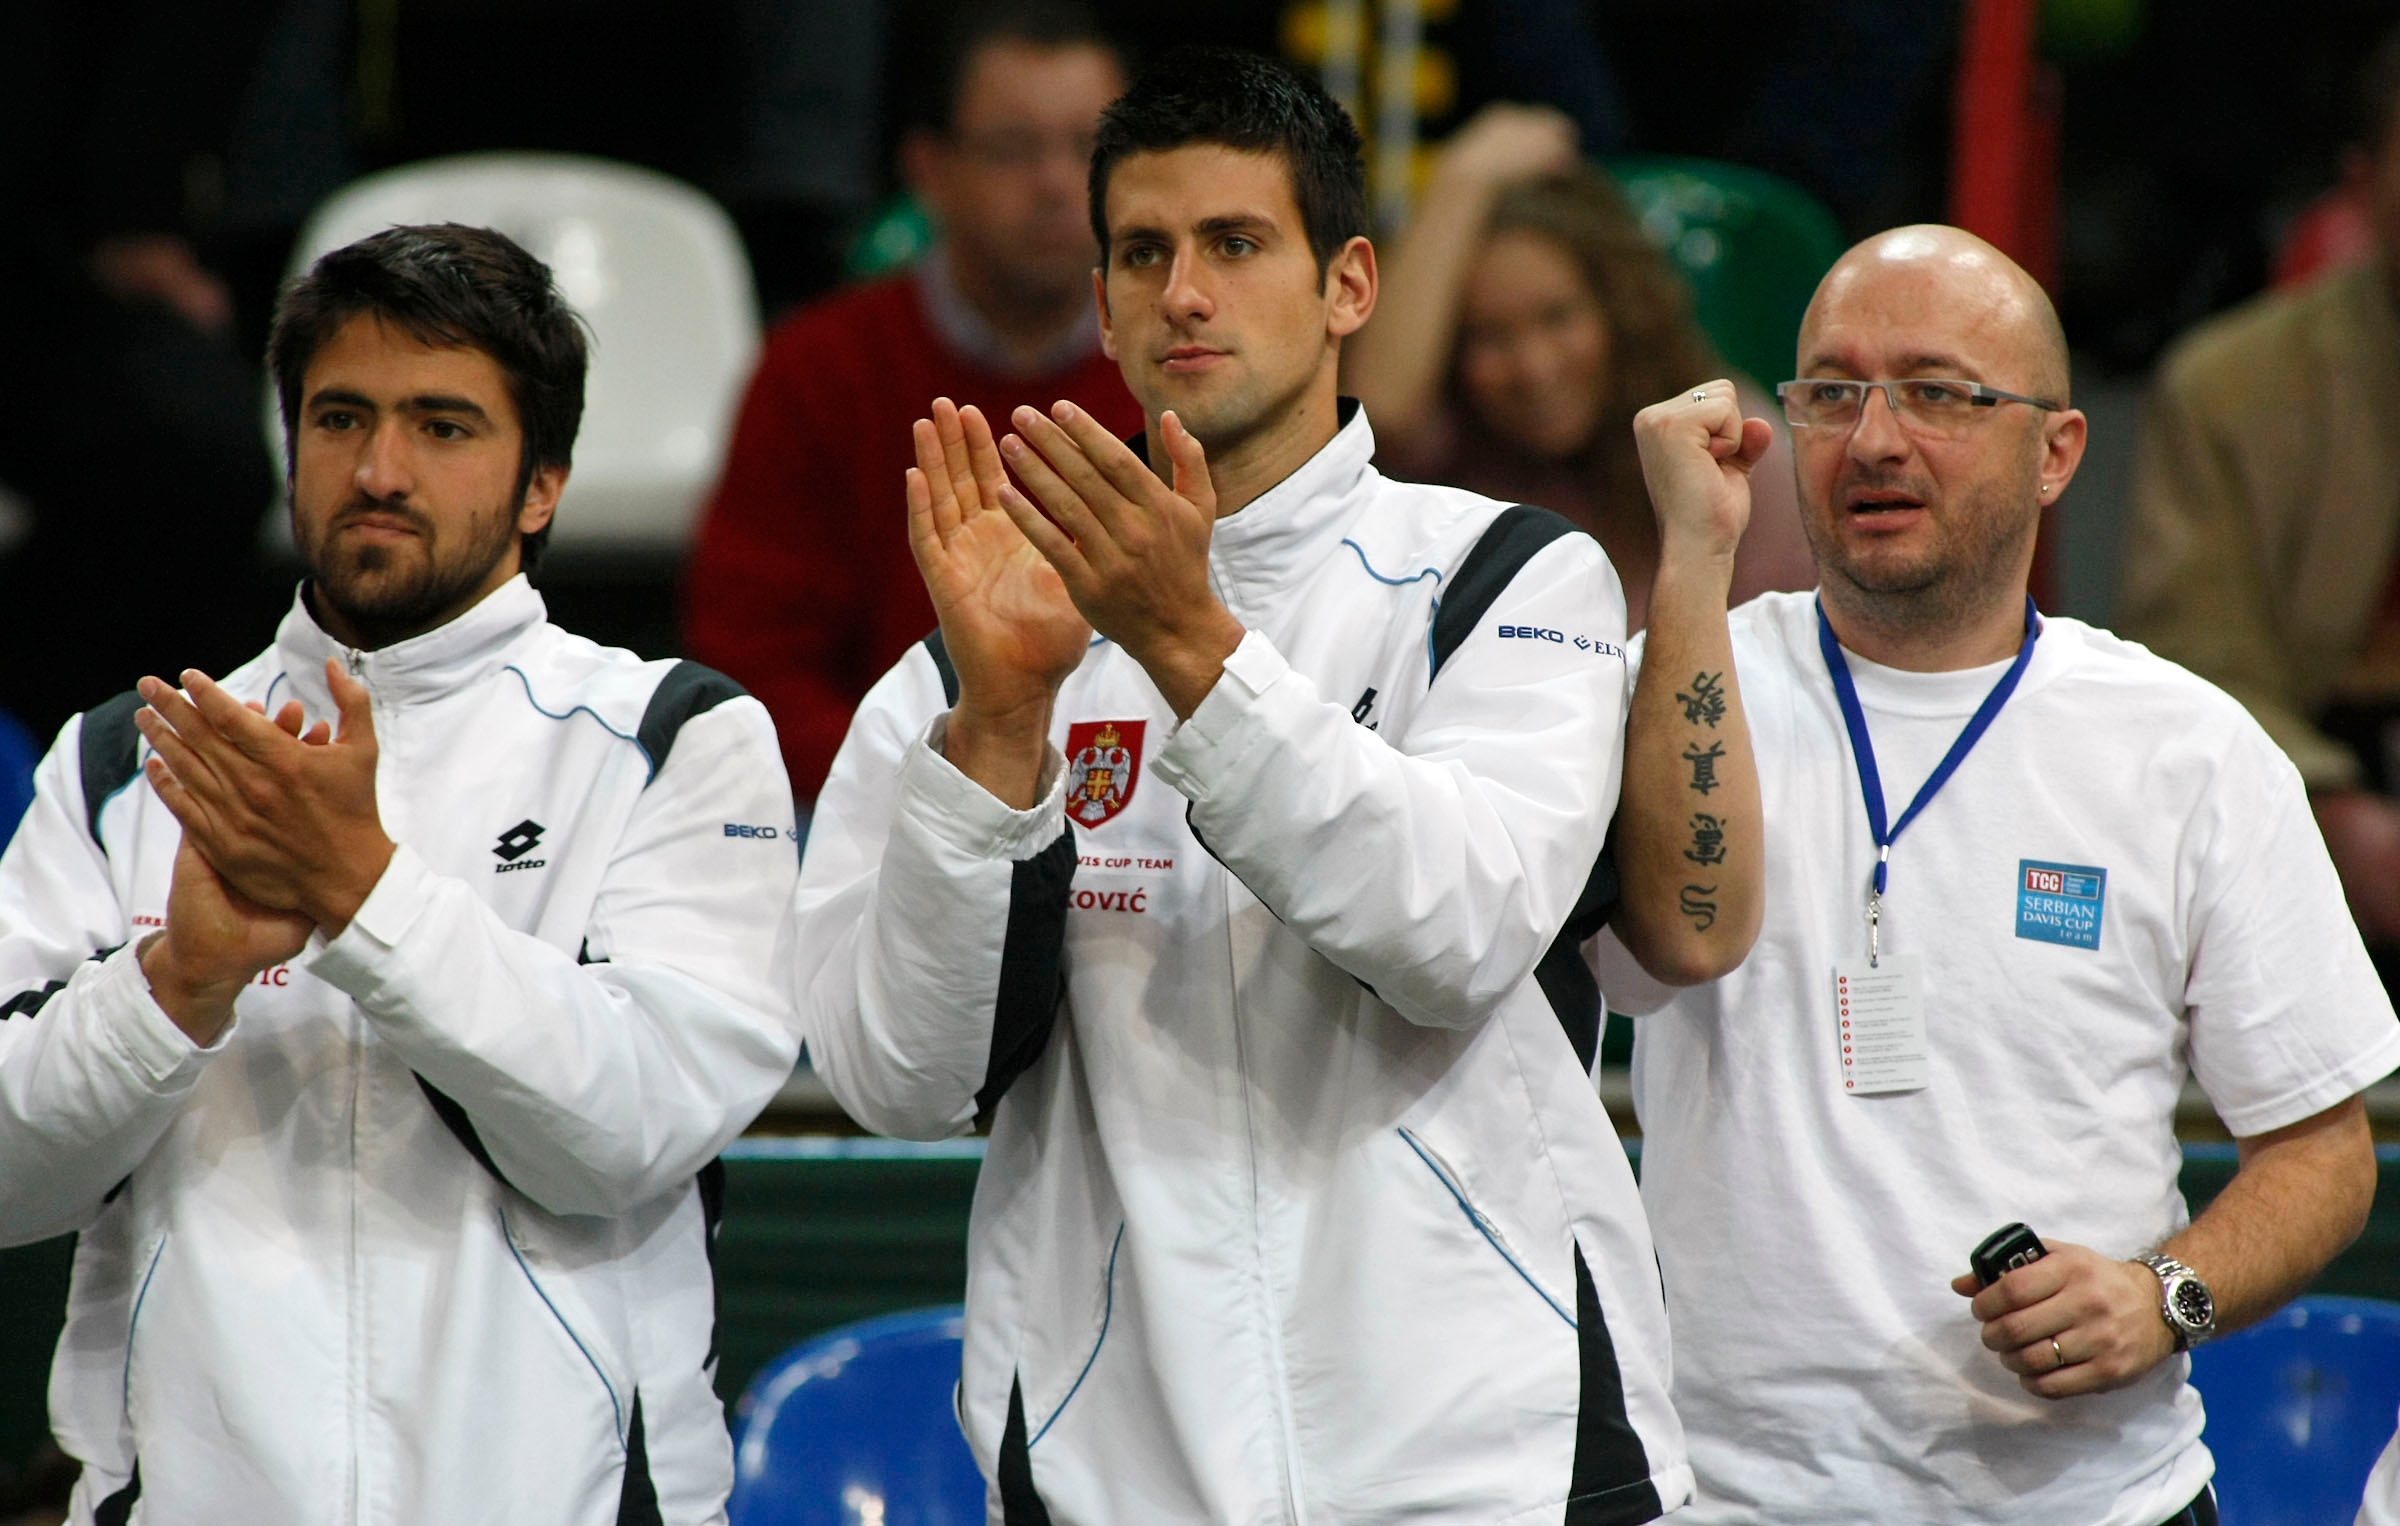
1862,747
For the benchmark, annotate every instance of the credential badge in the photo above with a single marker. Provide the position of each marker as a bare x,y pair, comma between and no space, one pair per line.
1104,761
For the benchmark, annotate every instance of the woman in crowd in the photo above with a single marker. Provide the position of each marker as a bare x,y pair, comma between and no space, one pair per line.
1523,320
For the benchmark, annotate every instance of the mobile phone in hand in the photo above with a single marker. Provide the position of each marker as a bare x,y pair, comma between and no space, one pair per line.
2003,1251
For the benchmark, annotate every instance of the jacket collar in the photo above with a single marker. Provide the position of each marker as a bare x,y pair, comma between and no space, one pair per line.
1280,539
440,662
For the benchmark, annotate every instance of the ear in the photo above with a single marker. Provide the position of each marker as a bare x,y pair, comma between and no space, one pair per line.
541,498
1349,288
2062,452
1108,331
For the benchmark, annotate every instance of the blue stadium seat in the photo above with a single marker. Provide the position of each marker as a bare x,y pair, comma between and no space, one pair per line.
2298,1407
1752,245
857,1426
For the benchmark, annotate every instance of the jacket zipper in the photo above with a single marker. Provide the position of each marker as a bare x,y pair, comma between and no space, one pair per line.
355,660
1295,1509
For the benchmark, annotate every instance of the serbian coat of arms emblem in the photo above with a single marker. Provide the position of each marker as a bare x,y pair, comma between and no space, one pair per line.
1103,760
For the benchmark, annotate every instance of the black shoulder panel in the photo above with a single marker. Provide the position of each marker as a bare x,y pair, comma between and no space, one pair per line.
117,1509
939,650
711,1182
1563,976
28,1002
111,753
1032,966
1506,545
1610,1484
637,1495
1020,1505
688,690
462,1128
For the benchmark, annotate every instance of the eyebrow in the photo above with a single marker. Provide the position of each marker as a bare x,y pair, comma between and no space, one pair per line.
1923,363
423,402
1234,222
1229,222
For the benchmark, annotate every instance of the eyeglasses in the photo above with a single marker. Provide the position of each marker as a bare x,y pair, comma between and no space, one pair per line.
1931,404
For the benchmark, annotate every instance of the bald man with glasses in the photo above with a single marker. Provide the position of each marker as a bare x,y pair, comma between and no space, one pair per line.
2021,879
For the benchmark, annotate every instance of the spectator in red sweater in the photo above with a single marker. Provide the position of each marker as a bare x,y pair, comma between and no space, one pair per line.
801,585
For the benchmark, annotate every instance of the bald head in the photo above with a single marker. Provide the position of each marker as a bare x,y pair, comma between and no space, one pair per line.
1968,302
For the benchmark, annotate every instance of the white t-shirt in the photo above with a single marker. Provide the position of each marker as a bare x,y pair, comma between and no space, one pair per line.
1823,1367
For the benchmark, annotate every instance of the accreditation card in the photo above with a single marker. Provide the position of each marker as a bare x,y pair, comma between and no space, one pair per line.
1879,1014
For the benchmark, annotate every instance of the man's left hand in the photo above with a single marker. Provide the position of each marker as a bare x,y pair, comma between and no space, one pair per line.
2102,1313
288,821
1132,551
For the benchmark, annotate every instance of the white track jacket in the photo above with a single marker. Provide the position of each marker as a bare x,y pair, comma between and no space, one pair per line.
423,1236
1299,1204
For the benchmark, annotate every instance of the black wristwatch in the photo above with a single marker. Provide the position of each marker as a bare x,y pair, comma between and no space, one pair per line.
2185,1303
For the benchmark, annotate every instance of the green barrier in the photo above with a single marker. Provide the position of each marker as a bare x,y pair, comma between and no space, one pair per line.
819,1232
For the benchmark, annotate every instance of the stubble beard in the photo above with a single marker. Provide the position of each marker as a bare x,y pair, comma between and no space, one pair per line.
385,593
1247,411
1972,562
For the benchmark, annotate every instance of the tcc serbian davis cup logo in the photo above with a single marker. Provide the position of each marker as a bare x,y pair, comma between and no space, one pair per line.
1104,758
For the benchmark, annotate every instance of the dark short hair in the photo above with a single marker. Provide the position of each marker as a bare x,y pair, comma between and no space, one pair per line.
1249,102
2375,95
961,29
454,286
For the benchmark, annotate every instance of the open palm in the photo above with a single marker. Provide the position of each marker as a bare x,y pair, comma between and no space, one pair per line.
1012,632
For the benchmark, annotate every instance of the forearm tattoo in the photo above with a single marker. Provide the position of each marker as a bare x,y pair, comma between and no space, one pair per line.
1705,702
1708,840
1699,908
1704,765
1703,705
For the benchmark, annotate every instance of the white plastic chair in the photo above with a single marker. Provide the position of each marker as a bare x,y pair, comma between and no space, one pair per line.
657,270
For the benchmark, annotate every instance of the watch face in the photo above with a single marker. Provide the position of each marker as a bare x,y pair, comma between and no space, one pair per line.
2193,1305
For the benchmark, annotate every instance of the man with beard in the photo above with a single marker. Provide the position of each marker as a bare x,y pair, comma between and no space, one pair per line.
2023,878
1218,848
801,585
379,1011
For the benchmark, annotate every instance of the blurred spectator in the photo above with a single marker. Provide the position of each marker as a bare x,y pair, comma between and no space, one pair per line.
2266,511
801,584
1524,319
132,441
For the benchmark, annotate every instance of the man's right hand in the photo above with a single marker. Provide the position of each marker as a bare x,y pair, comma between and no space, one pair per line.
1012,632
216,942
2362,833
1697,453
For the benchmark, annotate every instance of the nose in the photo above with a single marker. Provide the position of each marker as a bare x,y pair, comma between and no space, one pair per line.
1186,296
384,469
1877,436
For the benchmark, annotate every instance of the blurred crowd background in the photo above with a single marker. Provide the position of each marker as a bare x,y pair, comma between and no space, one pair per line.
162,159
866,202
